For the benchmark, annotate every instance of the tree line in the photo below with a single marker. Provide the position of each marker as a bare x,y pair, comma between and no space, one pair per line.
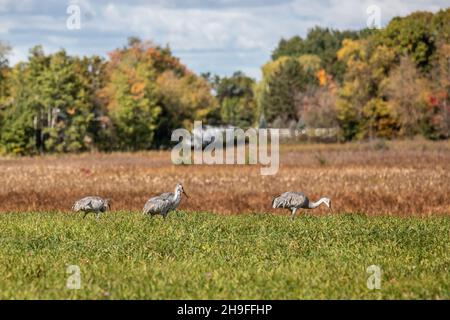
61,103
389,83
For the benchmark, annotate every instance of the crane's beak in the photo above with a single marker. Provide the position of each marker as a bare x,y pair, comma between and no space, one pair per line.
185,194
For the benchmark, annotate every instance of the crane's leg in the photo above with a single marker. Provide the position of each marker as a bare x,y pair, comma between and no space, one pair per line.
293,213
97,214
85,214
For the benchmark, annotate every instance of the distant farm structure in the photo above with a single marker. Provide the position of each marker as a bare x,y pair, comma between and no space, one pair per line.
309,134
208,133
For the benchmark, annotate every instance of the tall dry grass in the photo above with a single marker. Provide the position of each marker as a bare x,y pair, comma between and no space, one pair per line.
398,178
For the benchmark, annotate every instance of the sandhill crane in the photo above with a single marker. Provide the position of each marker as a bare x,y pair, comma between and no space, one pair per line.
296,200
165,202
96,205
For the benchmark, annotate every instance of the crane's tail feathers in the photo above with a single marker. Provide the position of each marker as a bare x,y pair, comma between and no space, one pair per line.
275,202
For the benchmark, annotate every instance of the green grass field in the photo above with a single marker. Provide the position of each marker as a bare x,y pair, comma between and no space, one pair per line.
201,255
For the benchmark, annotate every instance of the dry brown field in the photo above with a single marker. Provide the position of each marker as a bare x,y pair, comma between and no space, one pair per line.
395,178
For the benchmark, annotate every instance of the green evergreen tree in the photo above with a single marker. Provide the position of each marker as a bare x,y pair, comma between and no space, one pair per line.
236,100
322,42
17,133
279,99
52,105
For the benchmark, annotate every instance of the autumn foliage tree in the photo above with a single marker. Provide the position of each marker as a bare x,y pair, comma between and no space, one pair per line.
185,98
131,96
406,91
150,93
436,124
361,111
322,42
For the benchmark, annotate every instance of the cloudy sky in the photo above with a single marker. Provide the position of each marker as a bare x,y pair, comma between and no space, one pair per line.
219,36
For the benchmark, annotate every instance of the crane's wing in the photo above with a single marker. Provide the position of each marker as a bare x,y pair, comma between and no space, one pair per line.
155,205
97,203
289,200
88,203
81,204
167,196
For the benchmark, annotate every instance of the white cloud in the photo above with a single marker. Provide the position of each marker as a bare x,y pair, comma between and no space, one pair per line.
14,5
18,54
352,13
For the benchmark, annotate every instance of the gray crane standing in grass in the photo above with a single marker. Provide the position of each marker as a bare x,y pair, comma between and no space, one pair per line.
96,205
165,202
297,200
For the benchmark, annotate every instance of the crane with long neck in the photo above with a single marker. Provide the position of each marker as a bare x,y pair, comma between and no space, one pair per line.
164,203
296,200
